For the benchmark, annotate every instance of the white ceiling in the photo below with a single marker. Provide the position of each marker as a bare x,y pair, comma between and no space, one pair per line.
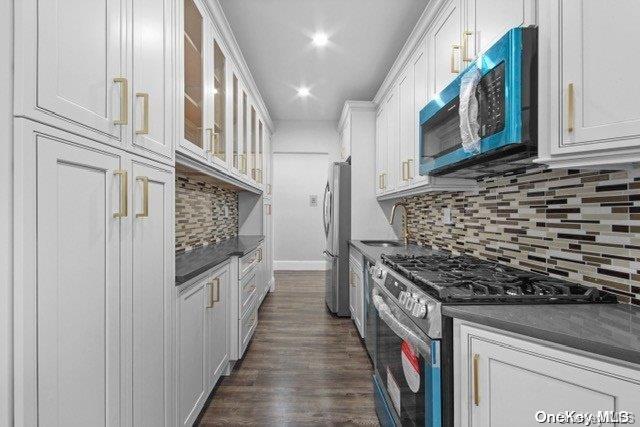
365,37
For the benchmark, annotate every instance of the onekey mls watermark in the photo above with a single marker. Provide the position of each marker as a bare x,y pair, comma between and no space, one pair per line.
585,418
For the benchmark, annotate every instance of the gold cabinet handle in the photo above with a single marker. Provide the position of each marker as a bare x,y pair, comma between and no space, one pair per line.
410,168
145,197
476,386
243,163
384,180
268,188
210,302
454,70
124,101
570,107
260,255
268,209
217,285
465,46
145,113
380,181
124,196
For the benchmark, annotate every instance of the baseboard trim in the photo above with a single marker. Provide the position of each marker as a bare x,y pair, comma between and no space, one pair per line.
299,265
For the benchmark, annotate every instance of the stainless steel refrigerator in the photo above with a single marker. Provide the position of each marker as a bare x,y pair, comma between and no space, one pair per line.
337,230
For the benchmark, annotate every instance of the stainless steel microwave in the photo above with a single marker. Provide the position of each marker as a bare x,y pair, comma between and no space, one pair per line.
506,95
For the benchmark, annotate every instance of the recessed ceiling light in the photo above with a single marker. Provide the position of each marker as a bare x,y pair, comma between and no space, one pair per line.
320,39
303,91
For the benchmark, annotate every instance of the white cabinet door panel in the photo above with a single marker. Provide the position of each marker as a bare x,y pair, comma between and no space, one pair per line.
218,325
407,127
595,62
443,48
420,100
488,20
392,113
79,287
381,150
153,279
191,336
152,76
79,47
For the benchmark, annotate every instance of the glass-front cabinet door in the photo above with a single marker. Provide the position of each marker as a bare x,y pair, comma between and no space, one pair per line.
217,137
245,135
236,114
193,79
254,145
259,155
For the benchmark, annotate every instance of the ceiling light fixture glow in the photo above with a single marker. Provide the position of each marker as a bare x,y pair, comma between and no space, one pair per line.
320,39
303,91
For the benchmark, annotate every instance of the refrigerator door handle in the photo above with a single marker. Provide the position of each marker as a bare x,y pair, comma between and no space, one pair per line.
327,192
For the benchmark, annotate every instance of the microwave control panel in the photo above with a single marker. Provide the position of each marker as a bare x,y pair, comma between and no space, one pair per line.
490,95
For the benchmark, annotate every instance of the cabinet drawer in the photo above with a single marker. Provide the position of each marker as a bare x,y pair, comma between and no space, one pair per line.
247,262
248,292
247,327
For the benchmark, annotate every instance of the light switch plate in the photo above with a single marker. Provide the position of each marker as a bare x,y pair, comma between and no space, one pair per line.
446,216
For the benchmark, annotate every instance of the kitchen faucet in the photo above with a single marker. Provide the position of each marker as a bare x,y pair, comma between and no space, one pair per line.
404,224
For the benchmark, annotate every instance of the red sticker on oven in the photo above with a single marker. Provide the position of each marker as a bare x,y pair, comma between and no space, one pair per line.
410,366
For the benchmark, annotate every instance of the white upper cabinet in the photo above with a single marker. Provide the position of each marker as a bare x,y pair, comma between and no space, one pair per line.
407,127
419,74
589,111
392,113
193,79
381,150
70,65
152,77
488,20
443,47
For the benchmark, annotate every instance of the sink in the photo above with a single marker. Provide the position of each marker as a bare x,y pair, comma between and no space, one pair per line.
381,243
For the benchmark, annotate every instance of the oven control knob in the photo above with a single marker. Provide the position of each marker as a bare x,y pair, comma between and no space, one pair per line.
410,303
419,310
402,297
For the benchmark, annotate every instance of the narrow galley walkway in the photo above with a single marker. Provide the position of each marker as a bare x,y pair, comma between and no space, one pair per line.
303,366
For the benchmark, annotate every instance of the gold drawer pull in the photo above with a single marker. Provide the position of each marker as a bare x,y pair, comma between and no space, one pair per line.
570,107
145,197
410,168
124,101
145,113
465,46
454,70
476,394
124,196
217,283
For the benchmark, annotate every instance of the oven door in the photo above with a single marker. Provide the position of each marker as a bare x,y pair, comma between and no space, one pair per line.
407,366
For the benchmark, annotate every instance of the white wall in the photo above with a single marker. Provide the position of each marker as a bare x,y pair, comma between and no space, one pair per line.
302,151
6,225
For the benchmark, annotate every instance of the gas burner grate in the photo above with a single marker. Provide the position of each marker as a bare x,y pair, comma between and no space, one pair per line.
466,279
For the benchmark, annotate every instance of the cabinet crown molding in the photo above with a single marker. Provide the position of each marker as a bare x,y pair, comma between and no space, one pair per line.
407,51
351,106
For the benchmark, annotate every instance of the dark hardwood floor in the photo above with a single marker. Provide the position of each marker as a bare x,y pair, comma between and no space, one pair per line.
303,366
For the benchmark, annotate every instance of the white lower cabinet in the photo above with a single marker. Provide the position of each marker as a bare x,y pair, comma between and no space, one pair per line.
506,380
92,284
202,340
356,291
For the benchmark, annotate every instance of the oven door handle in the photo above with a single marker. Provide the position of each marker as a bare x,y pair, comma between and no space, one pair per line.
397,327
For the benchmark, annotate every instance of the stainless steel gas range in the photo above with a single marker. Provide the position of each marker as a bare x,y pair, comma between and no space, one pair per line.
413,379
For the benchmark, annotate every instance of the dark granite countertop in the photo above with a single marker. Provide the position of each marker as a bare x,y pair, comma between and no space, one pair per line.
611,330
372,253
192,263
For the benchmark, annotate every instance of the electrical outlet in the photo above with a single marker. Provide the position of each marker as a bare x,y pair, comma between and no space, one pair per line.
446,216
313,201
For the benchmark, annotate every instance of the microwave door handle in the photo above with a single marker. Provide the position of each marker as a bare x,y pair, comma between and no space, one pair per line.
398,328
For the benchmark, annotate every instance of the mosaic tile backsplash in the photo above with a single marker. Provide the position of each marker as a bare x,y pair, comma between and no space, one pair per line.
200,213
580,225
